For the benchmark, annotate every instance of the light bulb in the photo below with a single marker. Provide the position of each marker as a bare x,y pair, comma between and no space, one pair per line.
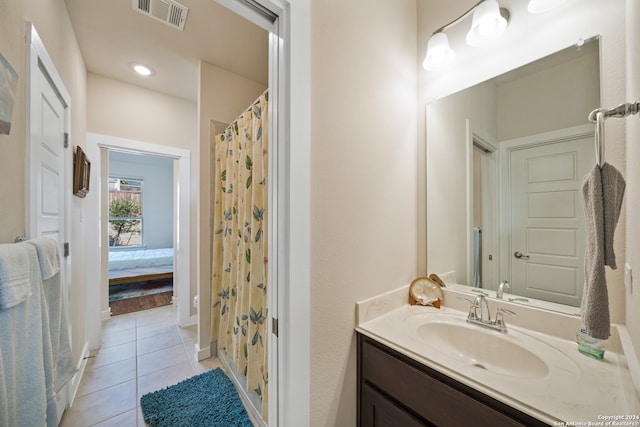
438,52
489,22
487,27
142,69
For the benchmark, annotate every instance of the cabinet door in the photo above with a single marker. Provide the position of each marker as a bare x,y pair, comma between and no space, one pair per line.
379,411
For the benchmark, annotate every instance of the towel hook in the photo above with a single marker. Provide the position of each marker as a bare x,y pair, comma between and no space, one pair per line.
20,239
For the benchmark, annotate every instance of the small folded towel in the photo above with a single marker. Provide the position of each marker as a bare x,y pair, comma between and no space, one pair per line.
602,193
18,263
47,255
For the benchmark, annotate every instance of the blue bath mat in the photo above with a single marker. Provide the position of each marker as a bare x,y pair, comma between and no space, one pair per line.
206,400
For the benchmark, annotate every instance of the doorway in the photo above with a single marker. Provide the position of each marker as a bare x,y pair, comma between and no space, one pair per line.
141,194
483,213
98,298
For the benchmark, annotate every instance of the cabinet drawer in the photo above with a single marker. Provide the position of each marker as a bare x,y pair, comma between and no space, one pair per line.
424,395
379,411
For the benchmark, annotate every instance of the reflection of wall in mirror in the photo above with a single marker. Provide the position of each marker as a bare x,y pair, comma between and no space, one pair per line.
537,102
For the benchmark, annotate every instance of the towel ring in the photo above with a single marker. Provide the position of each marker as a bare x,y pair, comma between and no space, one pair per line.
598,117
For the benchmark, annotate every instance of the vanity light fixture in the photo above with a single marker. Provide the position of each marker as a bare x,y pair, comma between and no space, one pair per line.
143,70
489,22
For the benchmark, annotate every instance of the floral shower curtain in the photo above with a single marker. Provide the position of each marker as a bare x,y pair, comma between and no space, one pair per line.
240,259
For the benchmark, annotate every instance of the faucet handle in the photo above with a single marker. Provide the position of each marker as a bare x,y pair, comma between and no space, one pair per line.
503,311
469,300
500,312
472,307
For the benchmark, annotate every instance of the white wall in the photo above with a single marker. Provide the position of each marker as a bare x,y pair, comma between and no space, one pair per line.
51,20
157,194
363,181
633,172
538,102
528,38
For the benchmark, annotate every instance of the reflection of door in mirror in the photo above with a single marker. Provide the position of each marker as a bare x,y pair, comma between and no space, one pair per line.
543,247
484,212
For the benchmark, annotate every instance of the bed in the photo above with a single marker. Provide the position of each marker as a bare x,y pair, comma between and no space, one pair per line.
140,265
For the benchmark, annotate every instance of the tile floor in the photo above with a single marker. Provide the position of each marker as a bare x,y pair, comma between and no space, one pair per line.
141,352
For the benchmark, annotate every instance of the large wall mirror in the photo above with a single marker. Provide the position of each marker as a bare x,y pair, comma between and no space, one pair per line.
505,161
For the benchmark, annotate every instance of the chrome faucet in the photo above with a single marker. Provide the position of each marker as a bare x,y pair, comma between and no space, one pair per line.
503,285
483,317
479,303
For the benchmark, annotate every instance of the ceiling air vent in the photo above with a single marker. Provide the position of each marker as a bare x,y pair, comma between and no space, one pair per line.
168,11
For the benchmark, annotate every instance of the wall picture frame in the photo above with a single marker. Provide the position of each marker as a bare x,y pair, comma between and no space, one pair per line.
81,173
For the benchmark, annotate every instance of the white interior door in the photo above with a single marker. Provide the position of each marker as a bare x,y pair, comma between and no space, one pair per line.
47,160
546,253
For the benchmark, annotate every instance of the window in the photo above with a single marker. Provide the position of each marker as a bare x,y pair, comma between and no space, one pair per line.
125,212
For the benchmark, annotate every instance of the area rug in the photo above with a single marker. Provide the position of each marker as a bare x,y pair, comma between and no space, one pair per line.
206,400
138,289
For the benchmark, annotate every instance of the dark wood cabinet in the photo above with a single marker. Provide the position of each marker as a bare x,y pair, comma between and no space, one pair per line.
396,391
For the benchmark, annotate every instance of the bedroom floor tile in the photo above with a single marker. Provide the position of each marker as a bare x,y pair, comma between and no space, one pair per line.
141,352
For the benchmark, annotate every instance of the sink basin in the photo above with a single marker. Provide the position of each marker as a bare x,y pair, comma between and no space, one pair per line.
511,354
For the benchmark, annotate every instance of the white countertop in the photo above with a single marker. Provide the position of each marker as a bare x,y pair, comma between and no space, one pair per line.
577,390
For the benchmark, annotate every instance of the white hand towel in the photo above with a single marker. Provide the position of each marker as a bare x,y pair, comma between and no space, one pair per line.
63,365
17,264
25,350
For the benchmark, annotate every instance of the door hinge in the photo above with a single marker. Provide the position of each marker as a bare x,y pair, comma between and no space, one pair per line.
274,326
66,140
66,249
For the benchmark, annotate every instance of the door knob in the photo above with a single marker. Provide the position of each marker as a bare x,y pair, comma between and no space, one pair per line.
520,255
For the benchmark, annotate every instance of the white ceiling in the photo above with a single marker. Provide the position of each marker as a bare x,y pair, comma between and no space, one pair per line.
112,35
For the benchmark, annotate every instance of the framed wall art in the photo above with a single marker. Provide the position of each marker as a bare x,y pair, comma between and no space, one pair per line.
81,173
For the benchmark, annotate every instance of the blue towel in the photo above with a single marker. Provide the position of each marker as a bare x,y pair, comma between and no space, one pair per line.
24,346
63,367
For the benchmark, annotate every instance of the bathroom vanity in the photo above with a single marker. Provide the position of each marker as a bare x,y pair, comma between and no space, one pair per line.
395,390
421,366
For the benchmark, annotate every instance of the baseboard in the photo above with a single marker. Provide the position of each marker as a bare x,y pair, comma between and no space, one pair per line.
254,414
106,314
202,353
75,380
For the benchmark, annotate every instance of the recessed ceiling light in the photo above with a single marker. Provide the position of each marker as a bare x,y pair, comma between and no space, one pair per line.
141,69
